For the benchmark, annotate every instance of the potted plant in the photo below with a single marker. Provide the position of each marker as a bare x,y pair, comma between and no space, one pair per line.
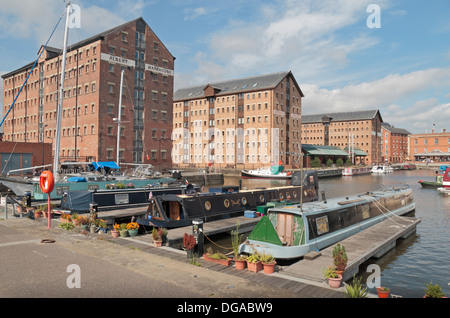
340,258
218,258
133,228
37,213
239,260
65,218
355,289
83,222
115,231
331,274
189,243
254,263
157,235
103,227
433,291
383,292
42,209
75,220
123,230
268,262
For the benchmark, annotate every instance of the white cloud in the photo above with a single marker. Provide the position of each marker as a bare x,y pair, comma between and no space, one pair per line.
386,94
192,14
290,35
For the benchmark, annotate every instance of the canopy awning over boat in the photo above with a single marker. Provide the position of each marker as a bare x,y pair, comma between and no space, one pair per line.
320,150
105,164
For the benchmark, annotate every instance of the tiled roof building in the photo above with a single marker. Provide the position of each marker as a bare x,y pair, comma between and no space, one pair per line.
242,123
91,98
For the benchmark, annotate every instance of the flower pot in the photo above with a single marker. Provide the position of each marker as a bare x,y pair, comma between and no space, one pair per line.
115,233
84,227
335,282
37,214
254,266
93,229
240,264
157,243
225,262
123,233
383,293
133,232
190,254
269,268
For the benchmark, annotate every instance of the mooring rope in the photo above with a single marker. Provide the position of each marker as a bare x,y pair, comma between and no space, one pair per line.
228,248
379,205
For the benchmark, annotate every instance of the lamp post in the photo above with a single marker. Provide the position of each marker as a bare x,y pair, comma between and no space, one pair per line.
43,143
159,153
75,154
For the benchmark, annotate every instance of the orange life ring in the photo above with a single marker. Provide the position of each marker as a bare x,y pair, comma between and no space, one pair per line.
46,181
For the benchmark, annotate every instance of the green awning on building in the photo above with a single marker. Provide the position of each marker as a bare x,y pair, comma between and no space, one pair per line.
358,152
319,150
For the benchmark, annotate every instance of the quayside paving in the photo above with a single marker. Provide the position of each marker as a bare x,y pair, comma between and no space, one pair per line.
131,259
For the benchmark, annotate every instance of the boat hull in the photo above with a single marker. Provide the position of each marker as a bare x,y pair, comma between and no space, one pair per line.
254,175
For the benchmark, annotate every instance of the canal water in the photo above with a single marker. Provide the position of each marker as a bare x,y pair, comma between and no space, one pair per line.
417,260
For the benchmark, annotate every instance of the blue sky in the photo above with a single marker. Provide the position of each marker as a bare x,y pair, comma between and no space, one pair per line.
401,68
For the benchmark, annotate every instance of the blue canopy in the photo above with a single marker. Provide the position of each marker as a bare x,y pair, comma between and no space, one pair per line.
77,179
105,164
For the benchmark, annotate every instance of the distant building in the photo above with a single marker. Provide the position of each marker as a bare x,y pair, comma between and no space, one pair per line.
240,123
91,98
395,143
359,130
430,147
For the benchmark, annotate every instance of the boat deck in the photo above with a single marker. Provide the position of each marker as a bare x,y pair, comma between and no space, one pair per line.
372,242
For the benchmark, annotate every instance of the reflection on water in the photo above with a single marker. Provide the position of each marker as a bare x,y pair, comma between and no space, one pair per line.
415,261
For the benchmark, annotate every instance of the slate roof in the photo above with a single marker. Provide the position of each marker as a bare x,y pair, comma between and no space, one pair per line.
394,130
100,36
342,116
235,86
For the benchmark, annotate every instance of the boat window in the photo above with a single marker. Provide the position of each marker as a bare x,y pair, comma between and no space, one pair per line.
322,225
154,211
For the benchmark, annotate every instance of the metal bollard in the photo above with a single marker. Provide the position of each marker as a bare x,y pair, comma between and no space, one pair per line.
197,231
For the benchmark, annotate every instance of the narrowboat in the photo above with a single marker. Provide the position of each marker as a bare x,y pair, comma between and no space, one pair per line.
80,201
290,232
172,211
356,171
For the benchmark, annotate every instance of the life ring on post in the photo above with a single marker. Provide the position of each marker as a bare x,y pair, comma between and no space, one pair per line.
46,181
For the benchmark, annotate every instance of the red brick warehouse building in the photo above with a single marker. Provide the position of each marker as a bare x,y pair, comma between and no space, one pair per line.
91,98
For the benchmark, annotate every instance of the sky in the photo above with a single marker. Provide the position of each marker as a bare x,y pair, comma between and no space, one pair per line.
346,55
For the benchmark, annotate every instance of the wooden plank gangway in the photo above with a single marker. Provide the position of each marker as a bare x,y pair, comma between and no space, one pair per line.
372,242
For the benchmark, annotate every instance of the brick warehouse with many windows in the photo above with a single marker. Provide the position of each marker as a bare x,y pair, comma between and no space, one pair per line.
91,98
242,123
